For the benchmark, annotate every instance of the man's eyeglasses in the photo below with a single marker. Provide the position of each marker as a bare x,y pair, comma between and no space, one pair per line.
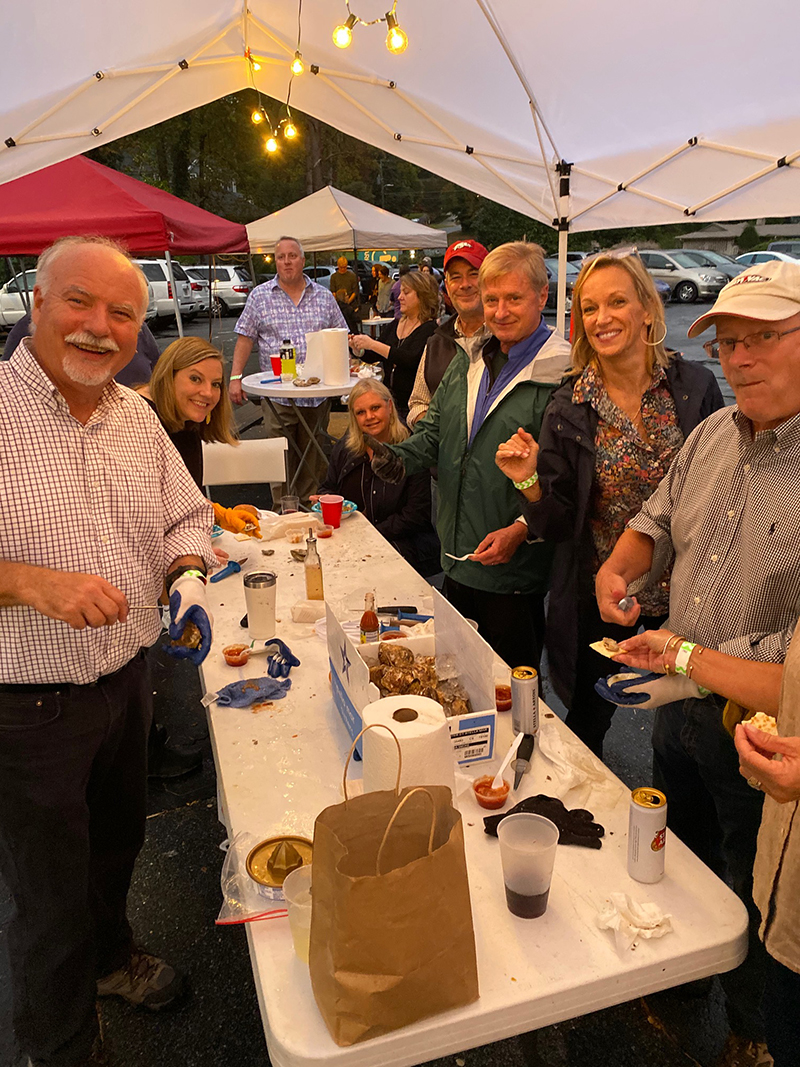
761,341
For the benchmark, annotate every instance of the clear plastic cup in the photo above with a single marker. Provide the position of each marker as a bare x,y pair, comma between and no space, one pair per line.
289,504
527,852
331,505
297,894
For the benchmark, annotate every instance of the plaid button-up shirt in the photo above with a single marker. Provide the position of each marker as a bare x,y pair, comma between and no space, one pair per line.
270,316
729,509
111,498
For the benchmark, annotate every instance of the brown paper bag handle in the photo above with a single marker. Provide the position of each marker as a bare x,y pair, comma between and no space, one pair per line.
410,793
372,726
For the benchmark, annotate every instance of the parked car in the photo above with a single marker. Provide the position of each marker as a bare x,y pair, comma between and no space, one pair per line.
791,248
747,259
577,257
320,275
552,273
231,286
687,281
155,270
13,305
704,257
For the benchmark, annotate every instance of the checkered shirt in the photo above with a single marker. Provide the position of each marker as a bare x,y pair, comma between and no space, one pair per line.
111,498
270,316
729,507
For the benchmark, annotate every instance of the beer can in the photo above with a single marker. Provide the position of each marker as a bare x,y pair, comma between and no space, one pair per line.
525,700
647,834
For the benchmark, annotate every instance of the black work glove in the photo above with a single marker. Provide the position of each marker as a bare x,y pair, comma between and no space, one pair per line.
576,827
386,464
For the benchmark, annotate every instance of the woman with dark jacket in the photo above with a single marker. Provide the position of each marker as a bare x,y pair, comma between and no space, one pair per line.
402,513
608,437
402,342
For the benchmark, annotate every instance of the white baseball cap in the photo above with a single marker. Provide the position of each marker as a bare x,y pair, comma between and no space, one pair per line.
769,291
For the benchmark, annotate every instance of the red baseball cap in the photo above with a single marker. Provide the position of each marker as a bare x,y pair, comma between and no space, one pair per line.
472,251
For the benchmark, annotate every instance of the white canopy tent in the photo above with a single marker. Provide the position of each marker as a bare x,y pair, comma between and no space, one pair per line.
496,95
330,219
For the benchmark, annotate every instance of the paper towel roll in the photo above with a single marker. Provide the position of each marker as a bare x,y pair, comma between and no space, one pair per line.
428,757
335,357
313,368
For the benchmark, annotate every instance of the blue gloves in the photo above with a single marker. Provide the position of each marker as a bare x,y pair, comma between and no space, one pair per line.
187,604
280,662
253,691
634,690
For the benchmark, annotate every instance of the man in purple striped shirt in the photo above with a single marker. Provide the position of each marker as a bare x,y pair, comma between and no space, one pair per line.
288,307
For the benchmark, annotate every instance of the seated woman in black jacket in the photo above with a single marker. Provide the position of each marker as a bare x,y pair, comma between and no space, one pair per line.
402,341
608,436
402,513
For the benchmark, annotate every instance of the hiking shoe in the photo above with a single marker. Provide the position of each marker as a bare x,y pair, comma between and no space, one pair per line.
145,981
742,1052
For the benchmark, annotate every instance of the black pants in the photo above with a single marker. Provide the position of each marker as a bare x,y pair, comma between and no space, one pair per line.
781,1008
73,779
512,623
590,716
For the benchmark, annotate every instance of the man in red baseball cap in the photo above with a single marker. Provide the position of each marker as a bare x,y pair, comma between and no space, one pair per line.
466,328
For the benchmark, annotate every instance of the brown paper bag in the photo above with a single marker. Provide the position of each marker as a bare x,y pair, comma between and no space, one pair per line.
391,927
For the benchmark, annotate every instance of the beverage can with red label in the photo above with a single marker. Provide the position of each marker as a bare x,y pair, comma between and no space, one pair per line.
647,834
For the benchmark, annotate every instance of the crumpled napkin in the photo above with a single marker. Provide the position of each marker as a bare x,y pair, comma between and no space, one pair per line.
632,921
574,767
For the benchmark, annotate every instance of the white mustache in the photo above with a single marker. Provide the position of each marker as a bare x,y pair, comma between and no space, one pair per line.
85,339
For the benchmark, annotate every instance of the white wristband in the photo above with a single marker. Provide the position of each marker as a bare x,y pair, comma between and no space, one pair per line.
683,657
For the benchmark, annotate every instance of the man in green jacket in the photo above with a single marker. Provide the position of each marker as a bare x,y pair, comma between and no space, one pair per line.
478,405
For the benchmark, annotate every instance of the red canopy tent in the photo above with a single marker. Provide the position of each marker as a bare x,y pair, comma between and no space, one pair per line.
81,196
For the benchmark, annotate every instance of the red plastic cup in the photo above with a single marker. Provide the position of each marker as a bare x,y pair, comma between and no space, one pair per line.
332,510
276,365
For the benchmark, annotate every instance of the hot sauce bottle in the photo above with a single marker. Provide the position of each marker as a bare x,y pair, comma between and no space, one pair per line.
313,568
370,627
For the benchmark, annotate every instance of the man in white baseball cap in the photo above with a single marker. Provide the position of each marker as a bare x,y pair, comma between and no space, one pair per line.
729,511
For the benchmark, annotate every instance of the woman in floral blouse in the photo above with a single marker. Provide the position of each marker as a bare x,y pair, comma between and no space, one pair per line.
608,437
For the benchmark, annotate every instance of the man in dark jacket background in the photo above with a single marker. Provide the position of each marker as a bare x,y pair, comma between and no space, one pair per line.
462,262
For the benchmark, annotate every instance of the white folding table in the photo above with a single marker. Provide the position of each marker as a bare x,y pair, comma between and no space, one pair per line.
279,767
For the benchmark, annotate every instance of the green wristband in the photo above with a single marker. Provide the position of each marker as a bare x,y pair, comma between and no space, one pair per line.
235,377
534,478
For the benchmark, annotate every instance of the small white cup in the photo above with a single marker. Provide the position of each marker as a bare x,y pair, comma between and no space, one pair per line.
297,894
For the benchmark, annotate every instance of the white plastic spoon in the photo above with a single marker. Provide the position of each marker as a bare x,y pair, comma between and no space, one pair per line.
497,781
460,559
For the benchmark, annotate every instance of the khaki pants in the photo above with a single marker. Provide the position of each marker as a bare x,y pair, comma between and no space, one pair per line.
287,424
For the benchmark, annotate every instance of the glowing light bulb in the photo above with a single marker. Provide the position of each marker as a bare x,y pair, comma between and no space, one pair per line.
290,131
343,34
256,64
271,144
257,116
297,64
396,39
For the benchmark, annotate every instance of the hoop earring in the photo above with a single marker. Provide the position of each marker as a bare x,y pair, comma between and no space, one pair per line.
655,344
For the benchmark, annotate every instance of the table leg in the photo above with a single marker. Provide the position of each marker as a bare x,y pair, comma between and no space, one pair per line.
312,443
275,409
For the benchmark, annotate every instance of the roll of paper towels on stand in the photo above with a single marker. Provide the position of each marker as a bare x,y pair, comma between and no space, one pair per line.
335,357
420,726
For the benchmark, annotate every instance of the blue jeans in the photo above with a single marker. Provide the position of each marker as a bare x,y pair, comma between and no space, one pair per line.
781,1007
73,784
716,814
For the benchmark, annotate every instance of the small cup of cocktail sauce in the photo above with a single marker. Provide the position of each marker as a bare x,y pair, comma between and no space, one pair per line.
488,797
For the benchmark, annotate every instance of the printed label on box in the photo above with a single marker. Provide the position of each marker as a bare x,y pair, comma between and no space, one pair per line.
473,737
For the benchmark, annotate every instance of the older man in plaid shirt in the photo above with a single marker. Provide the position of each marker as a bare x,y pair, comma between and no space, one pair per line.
98,510
290,306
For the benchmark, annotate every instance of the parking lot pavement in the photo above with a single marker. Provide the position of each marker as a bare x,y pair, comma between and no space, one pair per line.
175,898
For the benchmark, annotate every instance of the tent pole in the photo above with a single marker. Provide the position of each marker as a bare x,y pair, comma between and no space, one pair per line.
252,268
211,279
563,169
178,318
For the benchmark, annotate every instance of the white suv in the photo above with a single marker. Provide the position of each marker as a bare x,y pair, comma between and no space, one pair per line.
13,305
157,274
232,285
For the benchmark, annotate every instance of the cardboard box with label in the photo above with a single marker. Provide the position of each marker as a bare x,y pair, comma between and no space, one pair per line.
473,735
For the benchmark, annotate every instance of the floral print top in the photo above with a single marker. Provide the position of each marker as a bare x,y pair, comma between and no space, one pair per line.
628,467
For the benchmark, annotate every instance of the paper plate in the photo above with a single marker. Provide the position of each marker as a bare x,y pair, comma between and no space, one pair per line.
348,508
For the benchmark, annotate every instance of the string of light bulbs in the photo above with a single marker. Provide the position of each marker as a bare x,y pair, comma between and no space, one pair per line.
396,37
260,114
